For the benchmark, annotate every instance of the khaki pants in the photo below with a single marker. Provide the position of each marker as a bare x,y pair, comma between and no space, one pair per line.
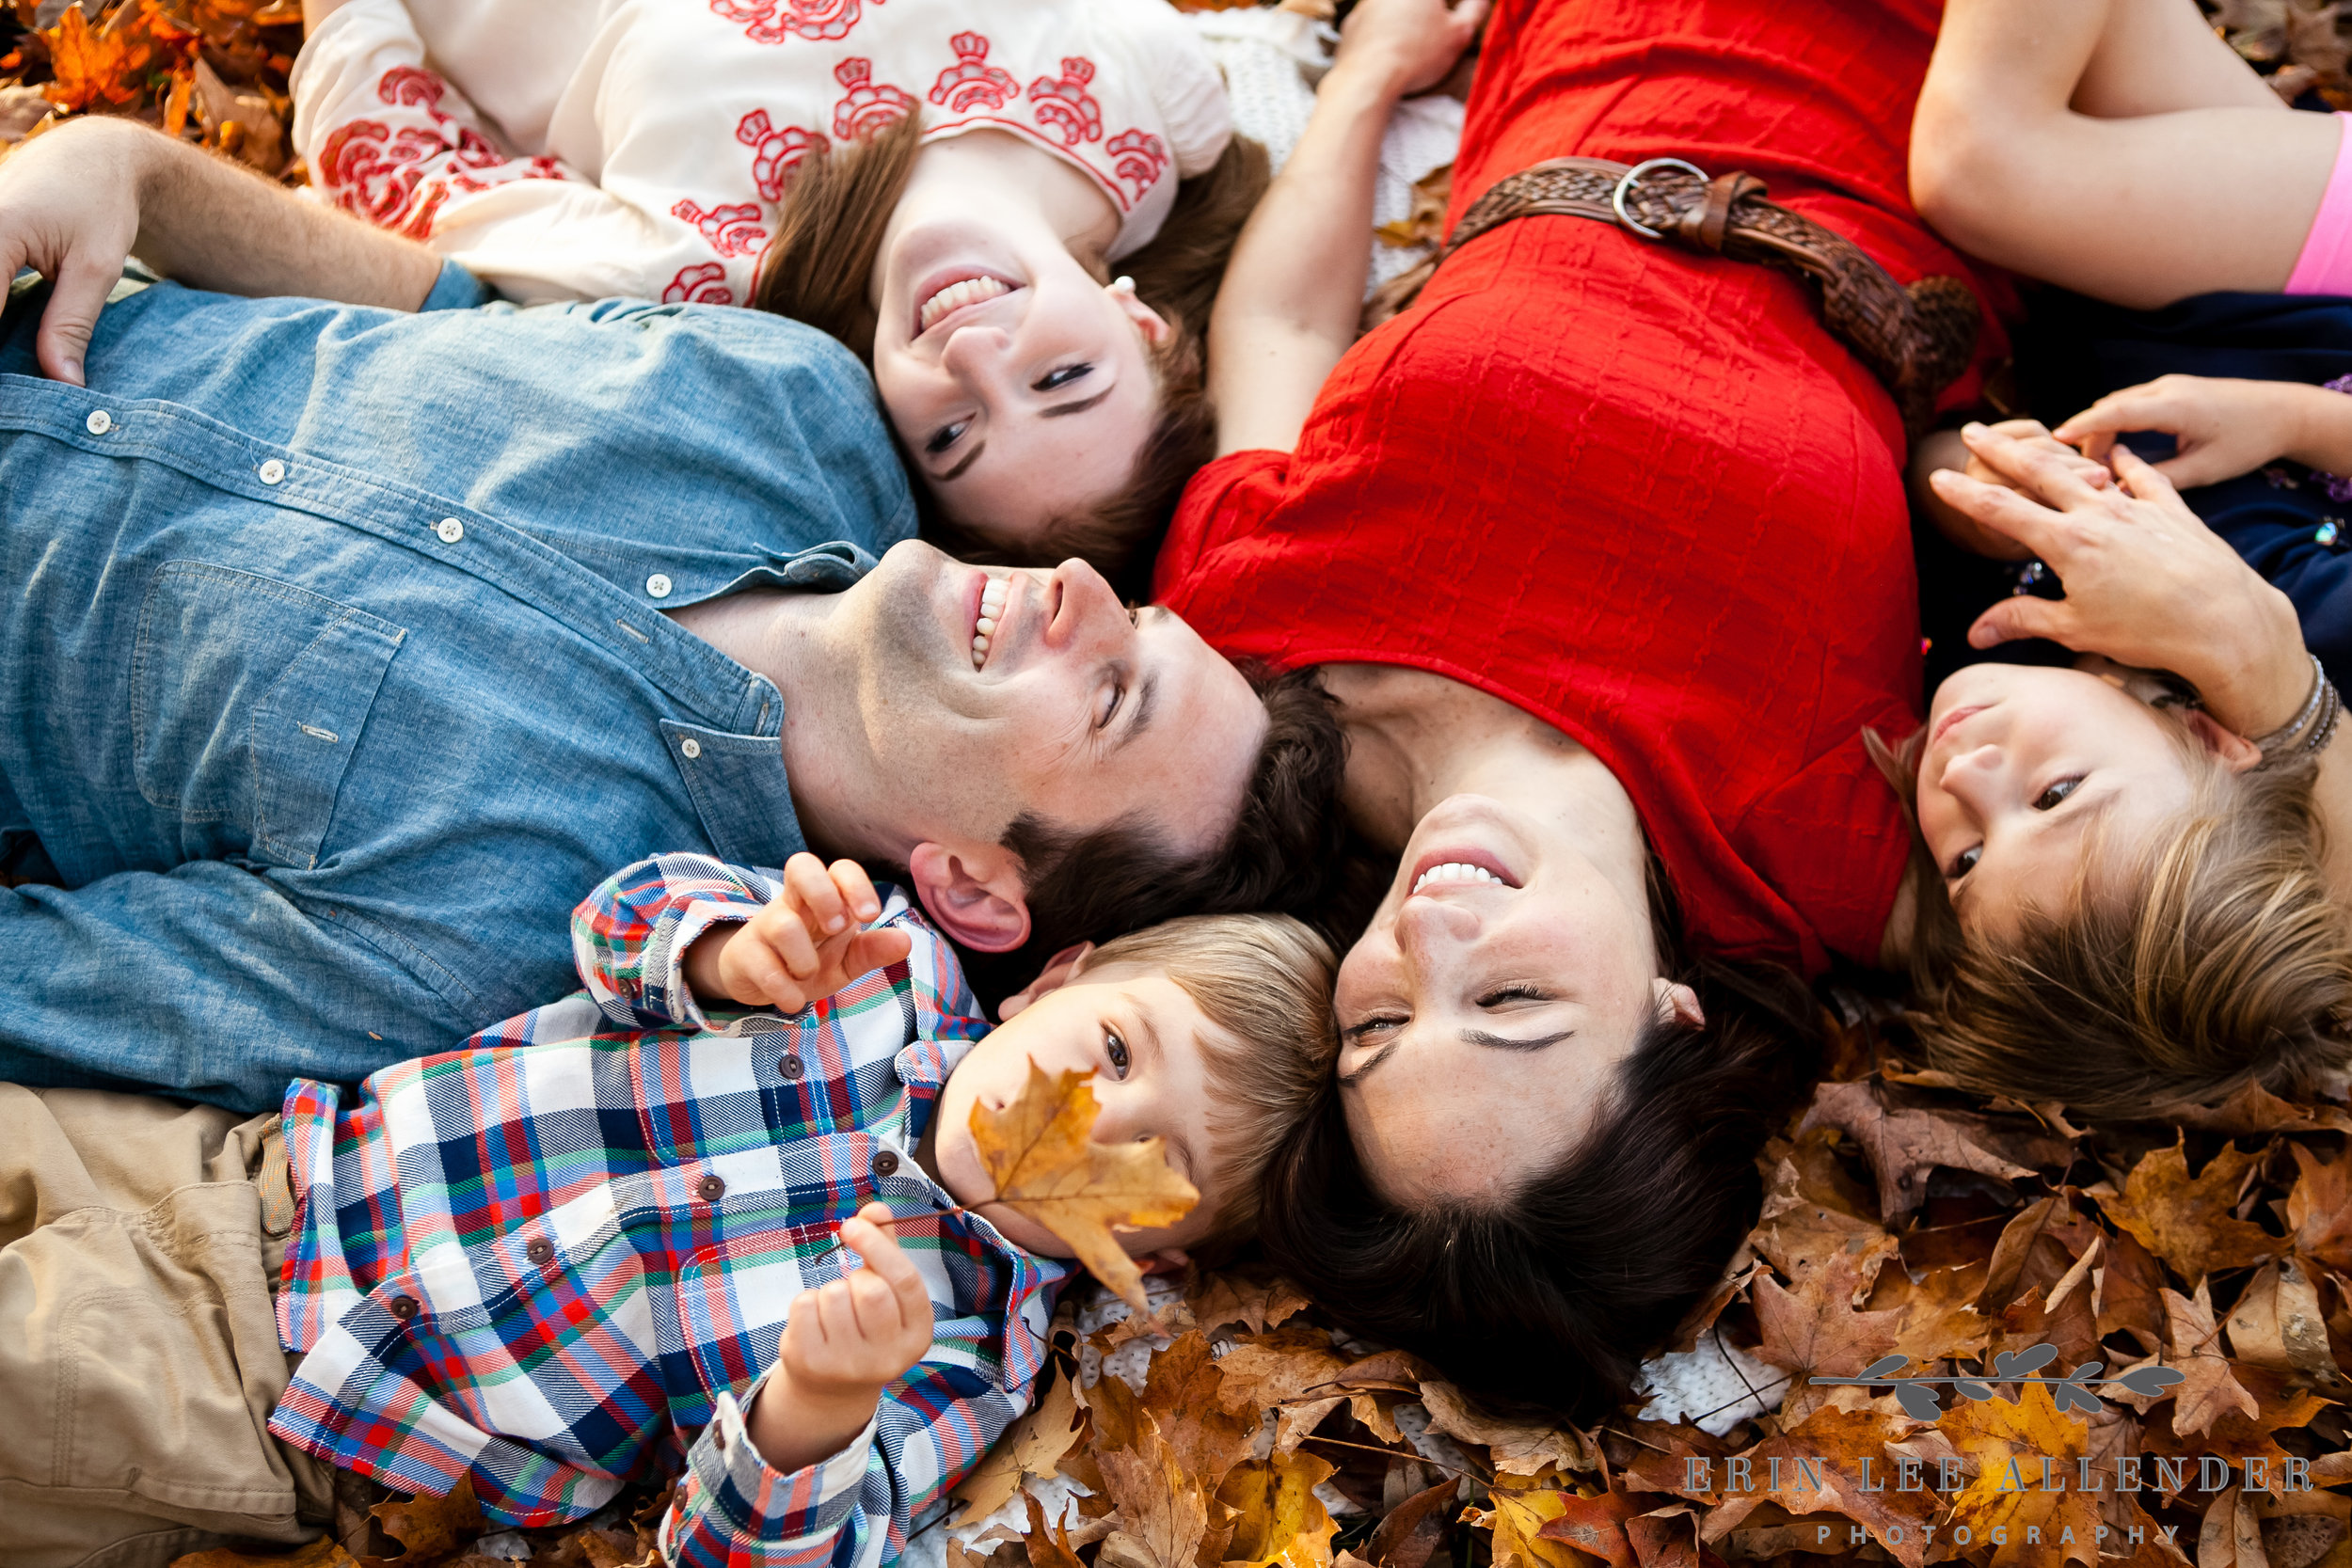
139,1244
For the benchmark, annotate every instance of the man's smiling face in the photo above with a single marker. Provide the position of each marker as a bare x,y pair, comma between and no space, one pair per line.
1081,711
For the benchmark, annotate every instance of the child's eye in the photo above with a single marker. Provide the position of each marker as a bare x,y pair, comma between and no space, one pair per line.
1520,992
1062,377
945,436
1964,861
1115,1051
2049,799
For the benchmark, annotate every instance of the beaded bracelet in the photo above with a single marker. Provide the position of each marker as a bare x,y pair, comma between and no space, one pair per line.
2310,731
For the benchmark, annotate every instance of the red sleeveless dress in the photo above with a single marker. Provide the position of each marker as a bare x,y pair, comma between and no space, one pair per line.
1640,492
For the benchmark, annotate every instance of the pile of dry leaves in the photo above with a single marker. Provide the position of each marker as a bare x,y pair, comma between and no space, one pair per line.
2012,1278
211,70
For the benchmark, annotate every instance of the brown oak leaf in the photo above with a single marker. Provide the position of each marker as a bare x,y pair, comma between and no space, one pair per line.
1816,1330
2319,1210
1041,1160
2187,1222
1904,1144
1851,1480
2209,1388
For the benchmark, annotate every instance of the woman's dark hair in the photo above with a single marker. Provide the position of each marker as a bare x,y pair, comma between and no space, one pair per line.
1544,1304
829,232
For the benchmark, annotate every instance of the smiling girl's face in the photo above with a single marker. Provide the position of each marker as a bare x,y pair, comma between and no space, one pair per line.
2023,767
1023,386
1140,1033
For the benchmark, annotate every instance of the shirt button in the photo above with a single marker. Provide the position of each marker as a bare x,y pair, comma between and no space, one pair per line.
692,747
886,1164
793,1067
403,1307
711,1189
540,1251
658,586
272,471
451,531
98,422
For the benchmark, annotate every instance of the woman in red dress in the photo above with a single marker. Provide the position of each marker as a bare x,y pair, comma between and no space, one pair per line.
1604,549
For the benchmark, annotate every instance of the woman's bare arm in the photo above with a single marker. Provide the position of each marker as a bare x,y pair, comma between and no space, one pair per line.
1292,294
79,200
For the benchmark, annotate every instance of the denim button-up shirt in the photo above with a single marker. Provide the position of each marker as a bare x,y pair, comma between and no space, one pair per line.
335,665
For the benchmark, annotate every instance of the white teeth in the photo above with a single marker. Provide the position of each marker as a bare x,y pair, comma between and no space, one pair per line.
1454,871
956,296
992,596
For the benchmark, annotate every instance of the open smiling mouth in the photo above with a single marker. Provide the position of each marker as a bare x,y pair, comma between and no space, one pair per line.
955,296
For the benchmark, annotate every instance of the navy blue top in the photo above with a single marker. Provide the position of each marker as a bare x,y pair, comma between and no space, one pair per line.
2075,350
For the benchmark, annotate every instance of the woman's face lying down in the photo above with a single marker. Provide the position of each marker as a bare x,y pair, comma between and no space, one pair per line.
1486,1007
1022,387
2026,767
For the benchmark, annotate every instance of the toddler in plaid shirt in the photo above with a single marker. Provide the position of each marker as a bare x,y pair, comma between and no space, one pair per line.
604,1240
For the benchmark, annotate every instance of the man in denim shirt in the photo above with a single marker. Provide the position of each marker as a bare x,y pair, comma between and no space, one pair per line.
347,647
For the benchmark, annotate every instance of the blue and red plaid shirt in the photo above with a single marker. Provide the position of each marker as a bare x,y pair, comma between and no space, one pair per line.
552,1257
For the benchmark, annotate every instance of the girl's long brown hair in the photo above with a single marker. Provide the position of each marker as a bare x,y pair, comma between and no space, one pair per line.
829,235
2173,972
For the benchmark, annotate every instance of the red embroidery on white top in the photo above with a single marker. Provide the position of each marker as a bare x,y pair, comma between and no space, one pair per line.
868,106
380,174
774,20
774,152
731,231
1063,103
972,81
703,283
1138,156
541,167
409,84
373,172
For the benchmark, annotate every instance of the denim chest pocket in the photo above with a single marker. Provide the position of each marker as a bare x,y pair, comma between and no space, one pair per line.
248,699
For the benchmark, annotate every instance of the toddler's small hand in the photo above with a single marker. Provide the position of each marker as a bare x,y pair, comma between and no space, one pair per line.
804,945
860,1333
2223,428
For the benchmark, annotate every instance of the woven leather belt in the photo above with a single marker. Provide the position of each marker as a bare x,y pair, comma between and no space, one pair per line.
1916,340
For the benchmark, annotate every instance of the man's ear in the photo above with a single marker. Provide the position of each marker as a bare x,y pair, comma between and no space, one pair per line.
1059,971
2234,751
1169,1259
978,899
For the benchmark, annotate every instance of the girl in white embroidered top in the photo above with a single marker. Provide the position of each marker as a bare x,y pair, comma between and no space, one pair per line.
945,185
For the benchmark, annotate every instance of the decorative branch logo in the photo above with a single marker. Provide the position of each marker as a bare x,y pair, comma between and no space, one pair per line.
1921,1399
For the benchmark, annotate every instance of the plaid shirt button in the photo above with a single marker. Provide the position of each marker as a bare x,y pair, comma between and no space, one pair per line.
711,1189
792,1067
885,1163
403,1307
540,1251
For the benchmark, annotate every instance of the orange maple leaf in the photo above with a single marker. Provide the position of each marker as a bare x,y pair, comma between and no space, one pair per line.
2014,1445
113,67
1042,1161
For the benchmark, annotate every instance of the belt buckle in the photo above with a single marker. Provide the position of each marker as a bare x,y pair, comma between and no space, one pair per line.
1632,178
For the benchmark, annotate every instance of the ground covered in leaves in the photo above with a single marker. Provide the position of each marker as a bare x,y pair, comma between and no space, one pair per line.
2014,1281
1911,1232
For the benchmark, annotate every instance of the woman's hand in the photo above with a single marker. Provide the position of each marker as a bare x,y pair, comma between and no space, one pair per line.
2224,428
2147,583
1408,46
